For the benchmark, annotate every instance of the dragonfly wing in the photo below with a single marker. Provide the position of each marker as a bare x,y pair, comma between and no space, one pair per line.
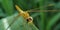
13,21
43,11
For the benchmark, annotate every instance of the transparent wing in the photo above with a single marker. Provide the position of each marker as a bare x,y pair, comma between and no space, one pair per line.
13,21
43,10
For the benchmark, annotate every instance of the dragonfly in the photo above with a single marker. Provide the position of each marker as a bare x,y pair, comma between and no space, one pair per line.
26,15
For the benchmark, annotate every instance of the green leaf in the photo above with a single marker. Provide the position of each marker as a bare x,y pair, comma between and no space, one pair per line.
57,6
1,13
8,6
42,14
57,27
52,21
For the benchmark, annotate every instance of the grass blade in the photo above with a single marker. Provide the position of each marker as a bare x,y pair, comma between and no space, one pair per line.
52,21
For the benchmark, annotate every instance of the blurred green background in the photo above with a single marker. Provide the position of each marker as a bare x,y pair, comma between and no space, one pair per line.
42,20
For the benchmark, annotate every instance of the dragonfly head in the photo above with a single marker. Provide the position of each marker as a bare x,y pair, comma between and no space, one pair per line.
29,19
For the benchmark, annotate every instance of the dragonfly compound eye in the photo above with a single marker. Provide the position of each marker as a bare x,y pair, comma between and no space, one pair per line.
29,19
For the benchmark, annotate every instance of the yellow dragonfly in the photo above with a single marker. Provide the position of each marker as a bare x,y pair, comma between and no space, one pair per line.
26,15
